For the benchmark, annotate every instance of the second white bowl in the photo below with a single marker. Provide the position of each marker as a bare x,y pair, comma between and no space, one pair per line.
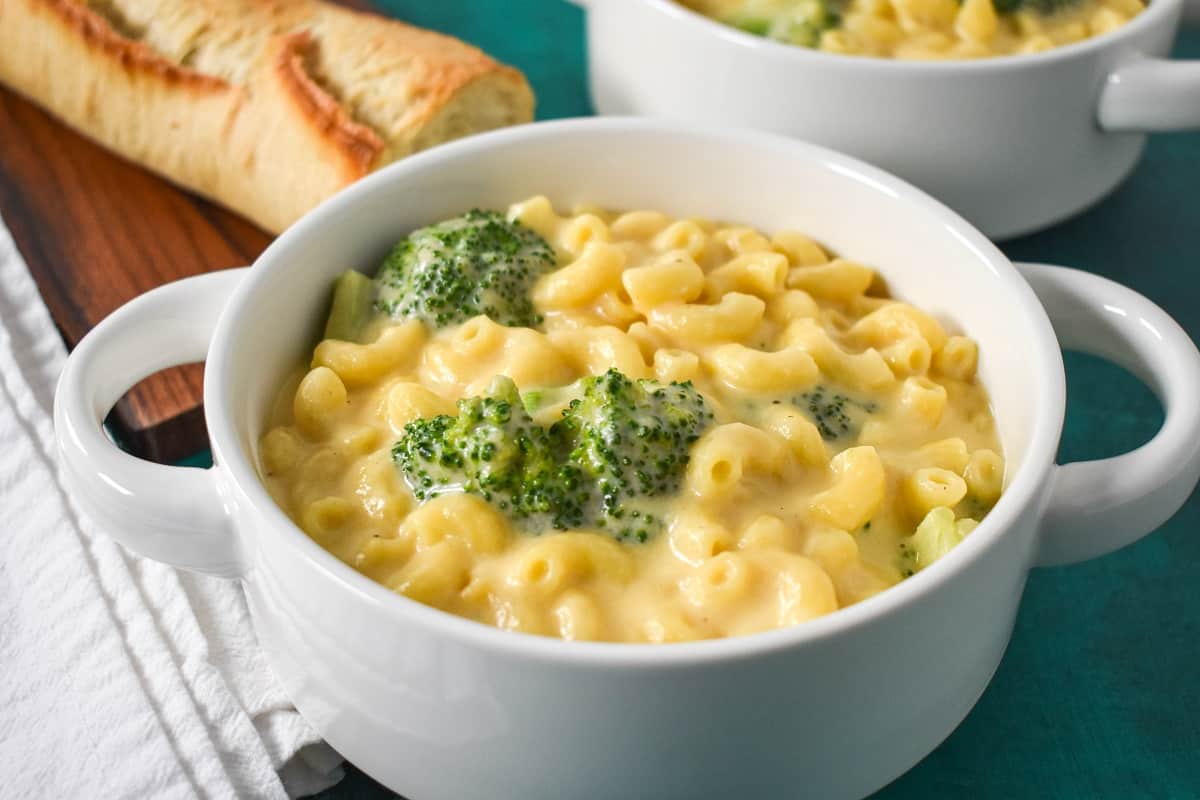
1013,143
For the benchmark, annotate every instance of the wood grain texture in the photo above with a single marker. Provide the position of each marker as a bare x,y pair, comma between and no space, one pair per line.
96,231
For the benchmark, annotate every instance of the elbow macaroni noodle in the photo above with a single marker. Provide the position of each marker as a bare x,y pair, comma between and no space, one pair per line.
852,443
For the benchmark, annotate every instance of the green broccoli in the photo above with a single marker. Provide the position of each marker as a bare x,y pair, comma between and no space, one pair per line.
353,299
801,23
937,534
835,414
618,444
492,448
632,440
758,26
478,263
552,401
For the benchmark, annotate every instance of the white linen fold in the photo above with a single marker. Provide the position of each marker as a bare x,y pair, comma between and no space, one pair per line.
122,677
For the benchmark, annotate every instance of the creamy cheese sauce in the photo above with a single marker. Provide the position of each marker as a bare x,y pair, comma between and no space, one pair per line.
850,443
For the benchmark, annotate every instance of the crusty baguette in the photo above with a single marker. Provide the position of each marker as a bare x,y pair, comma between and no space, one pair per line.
266,106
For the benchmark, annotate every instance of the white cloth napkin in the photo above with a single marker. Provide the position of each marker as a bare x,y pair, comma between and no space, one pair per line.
119,677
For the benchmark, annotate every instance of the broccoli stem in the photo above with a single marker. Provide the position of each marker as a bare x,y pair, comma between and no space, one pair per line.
353,301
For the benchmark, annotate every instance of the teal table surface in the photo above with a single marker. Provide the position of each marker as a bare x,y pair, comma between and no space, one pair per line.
1098,695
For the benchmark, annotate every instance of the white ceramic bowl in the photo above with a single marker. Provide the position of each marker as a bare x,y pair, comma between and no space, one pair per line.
1013,143
440,707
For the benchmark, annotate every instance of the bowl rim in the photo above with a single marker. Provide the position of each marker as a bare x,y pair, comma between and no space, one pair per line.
1152,15
242,485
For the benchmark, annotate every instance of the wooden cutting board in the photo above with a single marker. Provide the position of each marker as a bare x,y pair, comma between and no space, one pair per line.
96,231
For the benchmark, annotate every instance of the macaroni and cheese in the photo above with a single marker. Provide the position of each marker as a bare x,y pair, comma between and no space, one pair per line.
923,29
630,427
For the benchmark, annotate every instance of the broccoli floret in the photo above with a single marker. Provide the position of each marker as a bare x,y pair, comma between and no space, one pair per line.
836,414
619,444
478,263
632,440
800,22
937,534
491,448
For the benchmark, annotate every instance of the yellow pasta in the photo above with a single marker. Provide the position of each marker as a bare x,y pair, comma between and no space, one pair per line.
790,305
685,235
718,582
751,370
597,269
578,617
581,231
867,371
696,537
803,589
434,574
538,215
723,457
760,273
950,454
734,318
768,533
859,483
849,443
379,558
928,488
324,516
358,364
591,351
741,240
320,399
984,475
675,278
669,625
789,423
462,517
671,364
409,400
835,550
561,559
280,451
895,322
908,356
641,225
801,250
319,472
613,307
957,358
923,402
465,362
838,280
977,20
381,491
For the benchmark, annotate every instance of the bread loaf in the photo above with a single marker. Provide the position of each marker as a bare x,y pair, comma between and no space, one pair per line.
266,106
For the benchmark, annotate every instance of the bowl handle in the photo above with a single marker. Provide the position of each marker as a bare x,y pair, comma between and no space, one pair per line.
177,515
1151,94
1098,506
